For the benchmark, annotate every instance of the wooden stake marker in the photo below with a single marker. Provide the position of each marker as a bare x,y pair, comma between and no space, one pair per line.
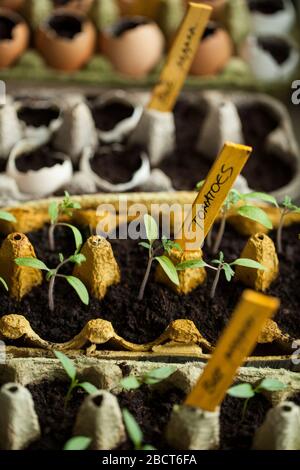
180,58
213,193
235,345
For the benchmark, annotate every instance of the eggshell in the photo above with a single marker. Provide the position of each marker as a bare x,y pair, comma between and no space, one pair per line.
43,130
12,49
138,178
42,182
280,21
263,65
12,4
63,53
81,6
124,127
213,53
136,51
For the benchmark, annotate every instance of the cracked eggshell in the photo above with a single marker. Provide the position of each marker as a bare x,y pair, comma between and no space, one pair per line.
10,127
14,43
43,131
66,53
133,45
263,65
267,19
138,178
124,127
42,182
214,51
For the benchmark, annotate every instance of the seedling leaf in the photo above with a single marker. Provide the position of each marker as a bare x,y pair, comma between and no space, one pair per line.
271,385
262,196
168,268
229,273
31,263
256,214
151,228
78,443
159,374
80,289
192,264
241,391
248,263
88,388
67,364
7,216
145,245
77,259
53,212
130,383
133,429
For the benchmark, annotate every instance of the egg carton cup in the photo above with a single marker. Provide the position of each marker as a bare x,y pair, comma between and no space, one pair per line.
98,336
78,133
103,422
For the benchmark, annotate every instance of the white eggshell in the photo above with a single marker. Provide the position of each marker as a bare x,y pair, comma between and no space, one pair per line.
138,178
281,21
42,182
32,132
124,127
263,65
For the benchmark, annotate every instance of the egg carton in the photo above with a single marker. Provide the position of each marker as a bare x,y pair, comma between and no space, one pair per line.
100,417
75,137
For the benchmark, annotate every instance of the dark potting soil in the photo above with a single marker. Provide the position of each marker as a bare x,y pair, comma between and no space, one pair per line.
108,116
143,321
186,166
151,409
6,28
39,158
55,419
267,7
278,47
37,117
117,166
66,26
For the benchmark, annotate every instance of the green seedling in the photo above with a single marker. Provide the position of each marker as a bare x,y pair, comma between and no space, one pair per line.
8,217
71,372
153,377
78,443
221,265
153,248
56,210
288,207
53,274
134,431
248,391
247,210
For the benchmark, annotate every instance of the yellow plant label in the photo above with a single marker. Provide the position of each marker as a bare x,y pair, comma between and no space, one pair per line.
236,343
180,58
212,195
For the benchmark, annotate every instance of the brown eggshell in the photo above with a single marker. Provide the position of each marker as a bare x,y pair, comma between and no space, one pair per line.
62,53
12,4
136,51
12,49
80,6
213,53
